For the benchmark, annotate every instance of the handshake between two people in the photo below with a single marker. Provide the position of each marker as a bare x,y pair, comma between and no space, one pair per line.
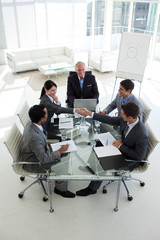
83,111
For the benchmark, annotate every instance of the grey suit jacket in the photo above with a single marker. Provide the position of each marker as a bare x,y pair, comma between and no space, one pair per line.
52,108
117,103
34,149
134,146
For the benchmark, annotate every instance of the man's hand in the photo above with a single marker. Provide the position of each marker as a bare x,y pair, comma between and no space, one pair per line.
86,112
117,143
103,112
63,148
80,111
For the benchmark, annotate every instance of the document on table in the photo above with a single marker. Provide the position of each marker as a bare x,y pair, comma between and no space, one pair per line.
106,138
72,147
65,123
107,151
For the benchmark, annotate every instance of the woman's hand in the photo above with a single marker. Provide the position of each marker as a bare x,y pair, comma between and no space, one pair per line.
55,98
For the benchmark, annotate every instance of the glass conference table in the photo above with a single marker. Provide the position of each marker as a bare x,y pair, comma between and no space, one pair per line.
82,164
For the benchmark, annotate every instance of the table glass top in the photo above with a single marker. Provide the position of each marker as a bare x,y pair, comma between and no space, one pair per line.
83,163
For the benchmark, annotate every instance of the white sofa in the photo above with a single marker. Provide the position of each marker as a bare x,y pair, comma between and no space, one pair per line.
29,59
102,60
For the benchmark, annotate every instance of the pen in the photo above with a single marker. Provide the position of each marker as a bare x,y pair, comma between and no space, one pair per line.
106,142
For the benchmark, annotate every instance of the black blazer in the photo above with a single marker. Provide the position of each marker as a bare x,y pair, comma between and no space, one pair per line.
89,90
134,146
52,108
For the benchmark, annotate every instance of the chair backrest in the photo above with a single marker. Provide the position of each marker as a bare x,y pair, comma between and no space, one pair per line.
23,114
152,141
146,111
13,142
72,72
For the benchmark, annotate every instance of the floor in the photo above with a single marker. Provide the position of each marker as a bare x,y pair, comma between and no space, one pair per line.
90,217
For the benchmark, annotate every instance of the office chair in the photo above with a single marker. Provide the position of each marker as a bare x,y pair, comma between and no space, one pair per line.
13,143
146,111
127,175
72,72
23,114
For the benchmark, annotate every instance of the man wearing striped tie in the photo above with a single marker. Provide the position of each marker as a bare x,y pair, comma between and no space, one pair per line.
134,141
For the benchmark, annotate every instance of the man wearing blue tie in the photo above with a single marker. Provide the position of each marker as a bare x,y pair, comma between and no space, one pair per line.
123,96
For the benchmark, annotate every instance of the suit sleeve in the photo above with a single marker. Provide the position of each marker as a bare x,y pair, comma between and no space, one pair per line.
70,93
38,148
139,151
111,106
54,108
95,92
107,119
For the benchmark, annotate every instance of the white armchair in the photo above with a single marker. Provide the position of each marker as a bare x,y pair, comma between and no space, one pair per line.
102,60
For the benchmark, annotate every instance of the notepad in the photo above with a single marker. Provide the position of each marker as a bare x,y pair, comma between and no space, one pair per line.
72,147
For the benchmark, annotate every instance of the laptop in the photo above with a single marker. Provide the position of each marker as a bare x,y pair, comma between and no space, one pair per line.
90,104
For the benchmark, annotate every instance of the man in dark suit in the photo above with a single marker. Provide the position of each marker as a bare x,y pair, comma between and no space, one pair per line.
34,148
134,141
81,85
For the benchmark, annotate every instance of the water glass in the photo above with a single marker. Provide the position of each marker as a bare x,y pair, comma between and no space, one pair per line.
97,126
93,143
63,135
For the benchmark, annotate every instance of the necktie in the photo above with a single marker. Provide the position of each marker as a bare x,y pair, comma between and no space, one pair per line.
123,101
125,130
81,83
45,133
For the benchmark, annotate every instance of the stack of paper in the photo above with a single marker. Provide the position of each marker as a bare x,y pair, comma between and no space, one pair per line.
65,123
106,151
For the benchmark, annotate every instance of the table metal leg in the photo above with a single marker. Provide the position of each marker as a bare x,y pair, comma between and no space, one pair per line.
50,195
117,196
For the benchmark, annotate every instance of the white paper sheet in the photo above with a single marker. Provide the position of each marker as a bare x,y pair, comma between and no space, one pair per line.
72,147
106,138
65,123
105,151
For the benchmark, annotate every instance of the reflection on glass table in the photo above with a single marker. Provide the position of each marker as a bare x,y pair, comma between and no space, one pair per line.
82,164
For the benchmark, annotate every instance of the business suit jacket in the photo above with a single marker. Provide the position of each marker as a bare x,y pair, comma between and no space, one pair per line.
34,148
89,89
117,103
52,108
134,145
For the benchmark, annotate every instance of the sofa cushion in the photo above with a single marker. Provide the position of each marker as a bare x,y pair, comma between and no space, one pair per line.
25,65
61,58
56,51
43,60
39,53
20,55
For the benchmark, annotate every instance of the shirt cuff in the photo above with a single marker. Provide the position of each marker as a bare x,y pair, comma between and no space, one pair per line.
57,103
120,146
92,114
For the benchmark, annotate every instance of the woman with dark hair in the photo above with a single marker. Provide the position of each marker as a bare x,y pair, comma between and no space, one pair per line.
50,100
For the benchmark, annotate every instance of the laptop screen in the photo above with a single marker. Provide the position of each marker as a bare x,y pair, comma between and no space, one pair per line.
90,104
